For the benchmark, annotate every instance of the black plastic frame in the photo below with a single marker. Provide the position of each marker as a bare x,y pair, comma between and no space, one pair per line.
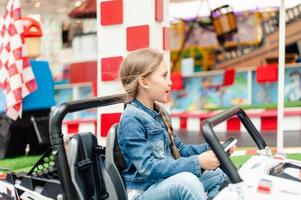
56,135
210,136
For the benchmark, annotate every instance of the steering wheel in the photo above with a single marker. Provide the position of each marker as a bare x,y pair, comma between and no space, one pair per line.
210,136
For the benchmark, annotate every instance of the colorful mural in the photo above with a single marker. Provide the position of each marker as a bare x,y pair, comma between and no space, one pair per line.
292,85
200,92
204,93
268,93
263,93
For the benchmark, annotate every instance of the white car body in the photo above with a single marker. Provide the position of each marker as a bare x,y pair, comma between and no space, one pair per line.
259,185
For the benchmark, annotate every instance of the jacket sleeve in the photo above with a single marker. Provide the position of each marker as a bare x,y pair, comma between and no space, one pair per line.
190,149
138,150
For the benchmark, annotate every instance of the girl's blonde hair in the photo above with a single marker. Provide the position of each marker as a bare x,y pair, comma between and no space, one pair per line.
139,63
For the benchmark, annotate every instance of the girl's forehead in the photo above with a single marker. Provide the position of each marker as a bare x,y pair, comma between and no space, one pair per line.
163,66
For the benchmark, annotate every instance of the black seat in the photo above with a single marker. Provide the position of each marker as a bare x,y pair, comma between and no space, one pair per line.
91,177
86,166
113,162
88,172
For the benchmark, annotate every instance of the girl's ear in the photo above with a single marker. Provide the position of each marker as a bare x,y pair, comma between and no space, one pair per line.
143,83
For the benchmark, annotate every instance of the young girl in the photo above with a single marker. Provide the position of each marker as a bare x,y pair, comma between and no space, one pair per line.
158,164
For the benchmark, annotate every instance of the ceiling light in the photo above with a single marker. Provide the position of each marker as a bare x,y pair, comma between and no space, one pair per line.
77,3
37,4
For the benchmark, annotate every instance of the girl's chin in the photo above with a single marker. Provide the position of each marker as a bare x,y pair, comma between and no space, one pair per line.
167,97
166,100
163,101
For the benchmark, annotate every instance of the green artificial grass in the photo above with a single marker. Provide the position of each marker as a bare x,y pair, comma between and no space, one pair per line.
25,163
19,164
294,156
239,160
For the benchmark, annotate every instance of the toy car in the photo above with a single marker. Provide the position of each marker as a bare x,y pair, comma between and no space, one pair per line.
263,176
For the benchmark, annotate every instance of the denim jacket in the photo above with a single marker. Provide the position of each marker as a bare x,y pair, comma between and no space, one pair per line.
144,143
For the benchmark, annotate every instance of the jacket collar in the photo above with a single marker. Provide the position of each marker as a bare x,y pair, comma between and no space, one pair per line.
138,104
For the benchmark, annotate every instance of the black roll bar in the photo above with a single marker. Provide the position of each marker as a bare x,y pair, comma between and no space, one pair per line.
210,136
56,135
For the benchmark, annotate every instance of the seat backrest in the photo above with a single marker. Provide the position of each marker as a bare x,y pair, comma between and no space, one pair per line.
72,156
86,167
90,176
111,165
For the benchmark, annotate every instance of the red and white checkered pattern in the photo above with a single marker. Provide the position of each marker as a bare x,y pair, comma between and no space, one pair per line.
125,26
264,121
16,77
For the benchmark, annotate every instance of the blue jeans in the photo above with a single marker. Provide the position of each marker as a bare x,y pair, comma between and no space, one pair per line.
186,186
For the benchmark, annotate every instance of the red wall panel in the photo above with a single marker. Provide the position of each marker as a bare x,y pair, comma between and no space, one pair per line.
233,124
229,77
267,73
111,12
83,72
110,68
159,6
72,128
269,123
137,37
107,120
166,38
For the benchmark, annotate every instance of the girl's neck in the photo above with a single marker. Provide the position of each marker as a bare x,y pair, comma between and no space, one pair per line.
146,102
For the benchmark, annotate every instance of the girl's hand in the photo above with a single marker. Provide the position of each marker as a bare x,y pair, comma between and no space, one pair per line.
208,160
232,149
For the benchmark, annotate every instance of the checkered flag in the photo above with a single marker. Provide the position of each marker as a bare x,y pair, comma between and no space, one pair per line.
16,77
